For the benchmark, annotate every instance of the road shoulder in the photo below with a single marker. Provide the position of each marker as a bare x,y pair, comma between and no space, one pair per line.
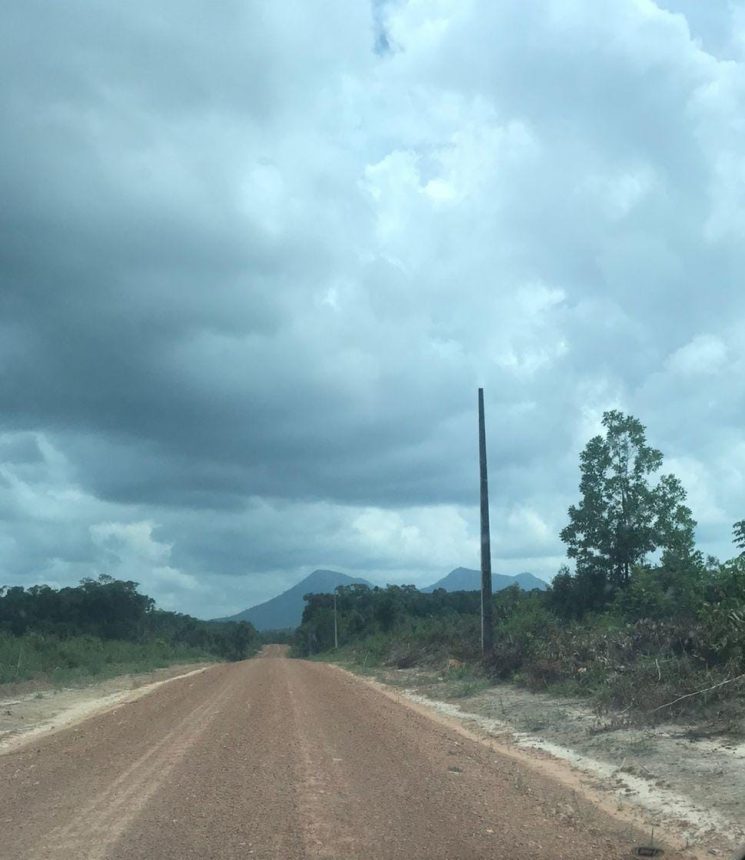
28,714
653,799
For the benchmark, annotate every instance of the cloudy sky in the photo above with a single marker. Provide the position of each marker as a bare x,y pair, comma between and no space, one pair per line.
256,257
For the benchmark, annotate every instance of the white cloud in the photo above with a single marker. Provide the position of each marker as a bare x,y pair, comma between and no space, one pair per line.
130,541
428,539
704,354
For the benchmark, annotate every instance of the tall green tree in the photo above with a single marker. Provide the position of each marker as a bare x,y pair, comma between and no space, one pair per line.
624,513
738,531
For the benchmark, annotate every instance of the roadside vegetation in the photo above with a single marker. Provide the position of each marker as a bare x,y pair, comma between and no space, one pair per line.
105,627
643,623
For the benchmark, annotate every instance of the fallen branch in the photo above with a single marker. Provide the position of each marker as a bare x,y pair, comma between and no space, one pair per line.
698,692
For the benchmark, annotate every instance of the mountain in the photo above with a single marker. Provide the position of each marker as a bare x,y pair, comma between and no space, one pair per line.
464,579
528,582
286,609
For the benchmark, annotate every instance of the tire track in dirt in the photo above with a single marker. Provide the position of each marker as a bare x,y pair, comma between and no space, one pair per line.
98,825
329,825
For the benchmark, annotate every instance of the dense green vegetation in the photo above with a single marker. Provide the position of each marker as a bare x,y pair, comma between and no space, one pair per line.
104,627
397,623
642,620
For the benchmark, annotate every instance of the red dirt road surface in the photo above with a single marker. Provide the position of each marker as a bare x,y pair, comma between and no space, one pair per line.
278,758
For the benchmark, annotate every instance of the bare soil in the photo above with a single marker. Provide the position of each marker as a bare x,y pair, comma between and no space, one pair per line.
35,708
278,758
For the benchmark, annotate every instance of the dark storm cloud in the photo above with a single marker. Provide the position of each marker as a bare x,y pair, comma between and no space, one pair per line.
145,304
256,259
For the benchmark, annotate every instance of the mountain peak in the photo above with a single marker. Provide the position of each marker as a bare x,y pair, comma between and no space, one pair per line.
322,577
467,579
286,610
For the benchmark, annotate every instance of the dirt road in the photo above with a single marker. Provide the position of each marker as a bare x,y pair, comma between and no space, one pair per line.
276,758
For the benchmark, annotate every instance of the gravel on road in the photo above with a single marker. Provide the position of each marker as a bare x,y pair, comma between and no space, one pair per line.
280,758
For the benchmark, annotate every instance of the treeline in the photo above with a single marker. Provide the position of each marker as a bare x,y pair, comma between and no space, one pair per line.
105,625
641,619
384,618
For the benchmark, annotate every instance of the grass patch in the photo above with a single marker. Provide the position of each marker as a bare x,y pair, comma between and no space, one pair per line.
81,658
463,681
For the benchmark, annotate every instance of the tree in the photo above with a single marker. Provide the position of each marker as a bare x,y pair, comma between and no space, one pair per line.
622,516
738,530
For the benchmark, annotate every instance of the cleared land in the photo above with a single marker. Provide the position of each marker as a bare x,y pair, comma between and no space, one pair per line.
288,759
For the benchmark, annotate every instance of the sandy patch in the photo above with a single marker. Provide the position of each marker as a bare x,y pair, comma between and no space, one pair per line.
27,715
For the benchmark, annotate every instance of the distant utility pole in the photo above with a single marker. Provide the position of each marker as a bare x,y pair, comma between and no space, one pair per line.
487,638
336,627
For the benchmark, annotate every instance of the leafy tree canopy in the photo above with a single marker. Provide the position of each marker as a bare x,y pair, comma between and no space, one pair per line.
624,513
738,530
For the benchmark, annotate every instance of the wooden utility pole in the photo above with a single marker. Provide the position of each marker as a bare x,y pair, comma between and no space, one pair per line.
487,637
336,628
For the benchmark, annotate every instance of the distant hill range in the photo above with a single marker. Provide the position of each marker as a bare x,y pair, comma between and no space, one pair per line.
286,609
465,579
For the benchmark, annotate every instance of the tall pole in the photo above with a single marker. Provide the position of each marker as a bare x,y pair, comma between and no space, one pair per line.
487,640
336,628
